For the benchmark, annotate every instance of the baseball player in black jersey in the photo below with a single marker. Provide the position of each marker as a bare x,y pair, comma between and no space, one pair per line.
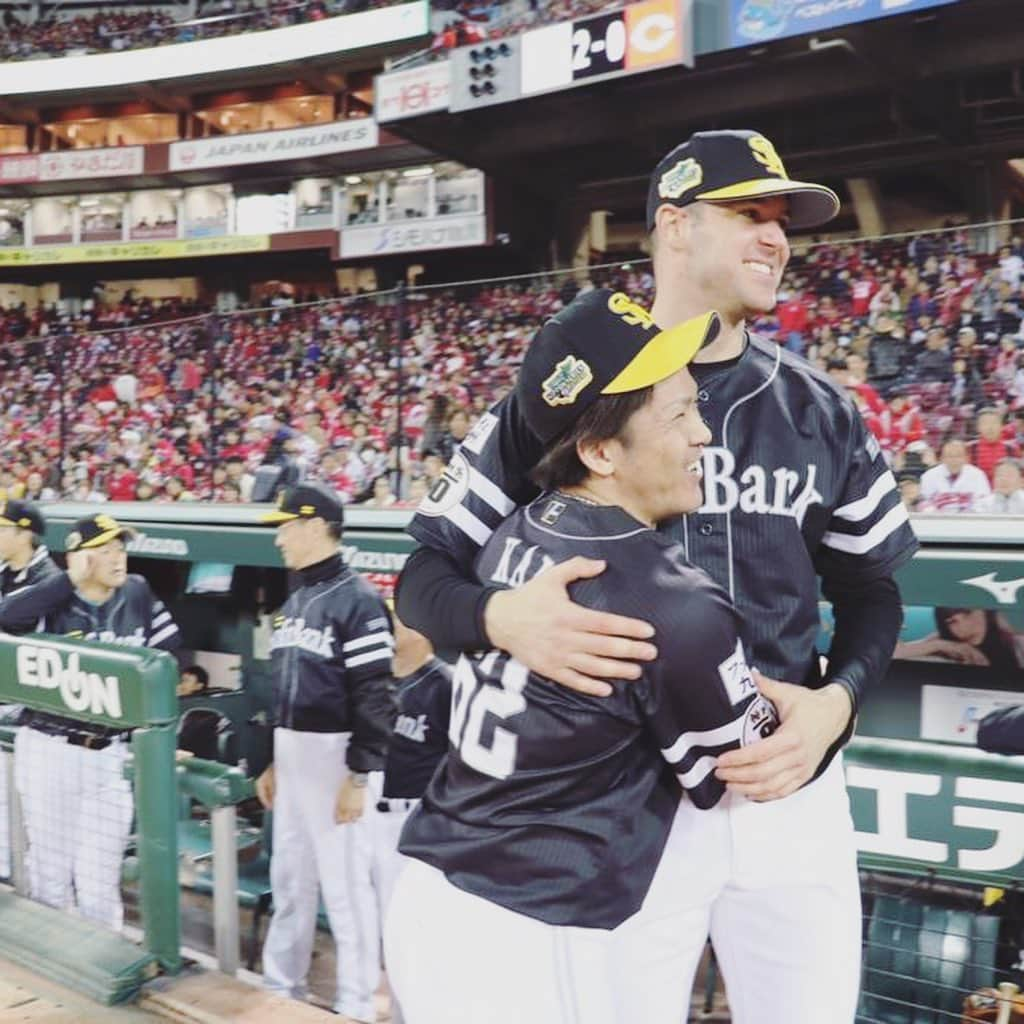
544,828
423,688
795,489
24,560
333,709
77,803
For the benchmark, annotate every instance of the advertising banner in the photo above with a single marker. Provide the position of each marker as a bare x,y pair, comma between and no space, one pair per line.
72,165
758,21
282,144
413,92
112,252
414,236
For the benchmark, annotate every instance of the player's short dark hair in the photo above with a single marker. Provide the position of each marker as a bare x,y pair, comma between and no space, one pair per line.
561,465
202,677
334,531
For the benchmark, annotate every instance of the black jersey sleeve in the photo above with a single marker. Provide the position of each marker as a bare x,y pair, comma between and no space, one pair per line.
699,697
25,610
163,630
484,481
367,646
1002,731
869,534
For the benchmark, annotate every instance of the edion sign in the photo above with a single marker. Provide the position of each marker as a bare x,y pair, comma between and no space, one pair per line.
80,691
409,93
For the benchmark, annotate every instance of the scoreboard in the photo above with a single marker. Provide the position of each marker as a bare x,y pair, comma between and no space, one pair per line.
640,37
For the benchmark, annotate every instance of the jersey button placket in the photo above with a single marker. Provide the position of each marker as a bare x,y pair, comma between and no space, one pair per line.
706,529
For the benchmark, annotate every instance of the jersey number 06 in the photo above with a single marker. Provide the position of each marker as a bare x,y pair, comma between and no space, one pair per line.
477,693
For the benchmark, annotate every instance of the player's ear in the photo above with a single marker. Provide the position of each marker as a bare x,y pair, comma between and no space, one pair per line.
672,227
597,456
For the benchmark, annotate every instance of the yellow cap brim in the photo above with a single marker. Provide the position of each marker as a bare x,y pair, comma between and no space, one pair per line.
107,536
810,205
665,354
277,516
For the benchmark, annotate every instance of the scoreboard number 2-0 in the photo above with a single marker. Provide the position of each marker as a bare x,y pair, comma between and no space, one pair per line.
599,46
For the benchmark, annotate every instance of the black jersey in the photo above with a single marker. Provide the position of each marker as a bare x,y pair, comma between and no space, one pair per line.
133,616
795,487
420,739
555,804
40,566
331,652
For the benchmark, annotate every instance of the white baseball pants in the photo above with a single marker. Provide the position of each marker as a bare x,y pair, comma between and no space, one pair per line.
454,958
775,886
313,857
78,814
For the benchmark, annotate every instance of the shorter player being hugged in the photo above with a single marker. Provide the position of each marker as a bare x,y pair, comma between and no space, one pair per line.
77,803
544,828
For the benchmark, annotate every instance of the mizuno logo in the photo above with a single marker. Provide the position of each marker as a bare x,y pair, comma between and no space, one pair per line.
1005,592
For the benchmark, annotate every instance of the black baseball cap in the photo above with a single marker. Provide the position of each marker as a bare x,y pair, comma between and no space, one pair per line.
22,514
95,531
310,500
602,343
728,165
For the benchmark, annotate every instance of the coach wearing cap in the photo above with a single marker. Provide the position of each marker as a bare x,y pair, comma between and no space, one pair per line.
331,655
24,560
77,803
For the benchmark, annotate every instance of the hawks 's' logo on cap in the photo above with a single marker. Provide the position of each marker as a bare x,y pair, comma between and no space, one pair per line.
633,313
563,387
676,180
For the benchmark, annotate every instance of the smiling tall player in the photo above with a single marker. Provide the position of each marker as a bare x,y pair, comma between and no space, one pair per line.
795,490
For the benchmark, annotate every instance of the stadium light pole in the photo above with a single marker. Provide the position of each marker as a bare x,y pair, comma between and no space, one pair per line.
400,336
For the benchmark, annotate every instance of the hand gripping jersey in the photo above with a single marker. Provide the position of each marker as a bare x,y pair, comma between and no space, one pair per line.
795,487
558,805
330,646
420,738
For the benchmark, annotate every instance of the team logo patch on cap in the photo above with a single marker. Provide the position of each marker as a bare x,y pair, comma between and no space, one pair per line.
685,175
563,387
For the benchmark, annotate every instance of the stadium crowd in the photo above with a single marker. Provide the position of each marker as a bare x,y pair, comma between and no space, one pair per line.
112,29
927,338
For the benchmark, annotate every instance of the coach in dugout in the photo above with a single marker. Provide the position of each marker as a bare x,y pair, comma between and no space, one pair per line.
334,711
77,804
24,560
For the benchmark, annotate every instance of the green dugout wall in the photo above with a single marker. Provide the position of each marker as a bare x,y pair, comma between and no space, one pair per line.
945,807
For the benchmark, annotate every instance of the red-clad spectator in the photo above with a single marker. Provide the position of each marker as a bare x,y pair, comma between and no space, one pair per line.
122,481
862,291
991,447
857,379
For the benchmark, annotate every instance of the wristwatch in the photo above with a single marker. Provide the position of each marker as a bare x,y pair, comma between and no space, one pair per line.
359,779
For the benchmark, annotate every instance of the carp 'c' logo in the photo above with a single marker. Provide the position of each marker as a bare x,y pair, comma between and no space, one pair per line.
765,154
563,387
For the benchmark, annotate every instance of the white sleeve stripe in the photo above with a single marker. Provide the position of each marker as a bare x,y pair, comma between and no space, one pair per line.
167,631
164,616
490,492
384,636
859,545
859,510
699,771
383,654
475,529
728,733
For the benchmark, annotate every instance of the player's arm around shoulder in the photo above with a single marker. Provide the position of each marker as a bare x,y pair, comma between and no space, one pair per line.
22,610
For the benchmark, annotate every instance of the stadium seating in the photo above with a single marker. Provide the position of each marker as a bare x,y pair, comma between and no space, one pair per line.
176,392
